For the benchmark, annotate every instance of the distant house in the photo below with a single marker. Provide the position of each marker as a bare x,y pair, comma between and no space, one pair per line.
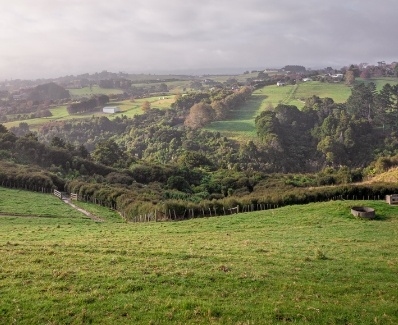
280,83
337,76
111,109
307,79
272,70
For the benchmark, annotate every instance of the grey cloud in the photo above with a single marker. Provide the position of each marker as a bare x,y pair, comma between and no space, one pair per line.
51,38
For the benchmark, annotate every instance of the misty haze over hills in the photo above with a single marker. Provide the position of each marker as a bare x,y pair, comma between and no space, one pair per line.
48,39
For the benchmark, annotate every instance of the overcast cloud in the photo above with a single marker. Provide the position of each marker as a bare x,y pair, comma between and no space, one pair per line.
51,38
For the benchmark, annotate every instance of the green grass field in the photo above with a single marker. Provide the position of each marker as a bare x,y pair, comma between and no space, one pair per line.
127,107
94,90
339,92
240,125
380,82
308,264
131,108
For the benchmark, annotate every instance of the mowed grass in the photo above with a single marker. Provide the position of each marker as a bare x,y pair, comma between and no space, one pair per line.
309,264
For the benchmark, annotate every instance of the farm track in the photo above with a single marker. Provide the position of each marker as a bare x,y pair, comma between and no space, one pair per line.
85,212
291,95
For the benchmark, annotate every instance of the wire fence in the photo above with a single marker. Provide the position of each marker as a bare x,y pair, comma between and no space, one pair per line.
212,211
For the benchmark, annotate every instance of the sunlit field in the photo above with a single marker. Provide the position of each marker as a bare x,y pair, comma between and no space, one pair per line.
129,108
241,123
94,90
308,264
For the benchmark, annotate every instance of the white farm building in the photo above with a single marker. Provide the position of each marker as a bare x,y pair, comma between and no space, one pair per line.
111,109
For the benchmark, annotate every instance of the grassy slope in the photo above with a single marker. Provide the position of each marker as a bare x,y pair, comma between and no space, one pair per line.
305,264
390,176
127,108
241,125
379,82
241,122
94,90
338,91
25,203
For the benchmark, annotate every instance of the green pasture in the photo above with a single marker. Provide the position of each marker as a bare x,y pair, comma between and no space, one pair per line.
32,204
240,123
161,102
94,90
240,78
307,264
58,113
379,82
339,92
129,108
174,87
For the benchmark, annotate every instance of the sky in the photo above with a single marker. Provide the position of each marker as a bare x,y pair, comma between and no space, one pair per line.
53,38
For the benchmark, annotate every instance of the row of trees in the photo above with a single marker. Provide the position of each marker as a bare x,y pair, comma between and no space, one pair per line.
202,113
84,132
138,202
88,105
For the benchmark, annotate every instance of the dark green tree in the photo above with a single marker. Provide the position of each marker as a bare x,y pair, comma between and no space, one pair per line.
58,142
361,102
108,153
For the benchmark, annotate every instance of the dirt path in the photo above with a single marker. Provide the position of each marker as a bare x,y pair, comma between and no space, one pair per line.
85,212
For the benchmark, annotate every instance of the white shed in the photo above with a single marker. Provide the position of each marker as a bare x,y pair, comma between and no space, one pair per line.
111,109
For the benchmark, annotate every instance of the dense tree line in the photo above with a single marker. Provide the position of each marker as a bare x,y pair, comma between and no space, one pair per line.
215,107
84,132
121,83
88,105
48,91
328,134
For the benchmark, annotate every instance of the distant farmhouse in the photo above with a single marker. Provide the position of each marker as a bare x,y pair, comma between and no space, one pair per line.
280,83
272,70
111,109
337,77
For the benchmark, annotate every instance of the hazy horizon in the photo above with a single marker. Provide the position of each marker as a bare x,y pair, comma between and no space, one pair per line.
50,39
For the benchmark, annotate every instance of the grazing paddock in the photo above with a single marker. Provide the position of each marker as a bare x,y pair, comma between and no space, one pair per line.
307,264
94,90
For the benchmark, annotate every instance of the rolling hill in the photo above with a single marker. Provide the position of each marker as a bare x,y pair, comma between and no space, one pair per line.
313,263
